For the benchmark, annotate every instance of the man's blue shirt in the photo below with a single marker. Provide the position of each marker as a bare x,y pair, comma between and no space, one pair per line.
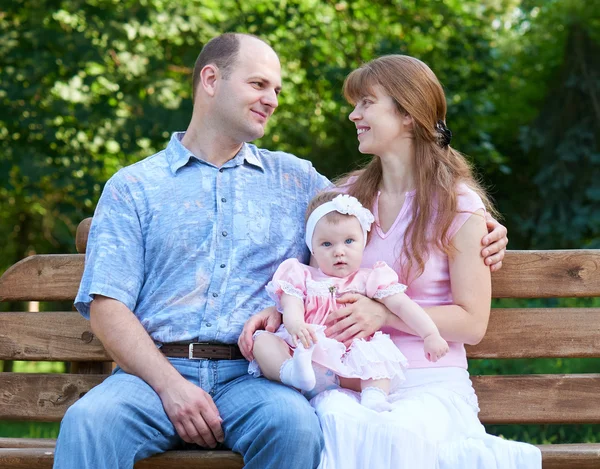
189,247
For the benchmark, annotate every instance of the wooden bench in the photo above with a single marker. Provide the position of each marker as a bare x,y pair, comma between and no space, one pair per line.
512,333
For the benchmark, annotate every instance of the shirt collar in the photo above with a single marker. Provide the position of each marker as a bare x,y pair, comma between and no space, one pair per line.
178,155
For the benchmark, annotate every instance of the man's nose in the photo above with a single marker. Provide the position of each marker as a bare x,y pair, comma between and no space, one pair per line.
271,99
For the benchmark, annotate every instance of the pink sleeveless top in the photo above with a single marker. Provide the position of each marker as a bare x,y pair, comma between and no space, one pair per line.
432,288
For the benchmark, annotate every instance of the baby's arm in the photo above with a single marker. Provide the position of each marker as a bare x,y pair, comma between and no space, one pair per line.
293,320
417,319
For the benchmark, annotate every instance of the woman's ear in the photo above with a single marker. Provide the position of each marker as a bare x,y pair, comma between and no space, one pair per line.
407,121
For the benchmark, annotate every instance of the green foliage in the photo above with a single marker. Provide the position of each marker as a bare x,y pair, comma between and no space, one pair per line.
548,121
88,87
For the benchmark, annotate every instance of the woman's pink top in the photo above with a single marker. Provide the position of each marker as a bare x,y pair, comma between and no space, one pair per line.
432,288
320,292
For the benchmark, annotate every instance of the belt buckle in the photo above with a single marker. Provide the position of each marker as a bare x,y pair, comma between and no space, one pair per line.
191,350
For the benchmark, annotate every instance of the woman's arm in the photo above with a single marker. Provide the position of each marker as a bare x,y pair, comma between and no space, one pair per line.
464,321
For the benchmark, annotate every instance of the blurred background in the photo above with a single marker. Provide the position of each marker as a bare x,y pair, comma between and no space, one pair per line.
87,87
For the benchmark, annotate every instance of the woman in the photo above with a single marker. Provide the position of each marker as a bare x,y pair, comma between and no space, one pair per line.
429,220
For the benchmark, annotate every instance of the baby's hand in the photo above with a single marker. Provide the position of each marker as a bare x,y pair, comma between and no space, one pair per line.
300,331
435,347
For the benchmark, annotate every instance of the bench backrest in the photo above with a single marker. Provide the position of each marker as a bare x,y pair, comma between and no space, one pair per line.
512,333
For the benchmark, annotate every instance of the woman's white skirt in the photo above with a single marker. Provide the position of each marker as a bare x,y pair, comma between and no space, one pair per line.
433,425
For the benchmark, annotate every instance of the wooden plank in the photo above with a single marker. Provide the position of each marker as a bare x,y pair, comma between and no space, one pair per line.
60,336
42,458
525,274
512,333
540,332
539,398
573,456
548,274
48,277
41,397
503,399
27,443
83,231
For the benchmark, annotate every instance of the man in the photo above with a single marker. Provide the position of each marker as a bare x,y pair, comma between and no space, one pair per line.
180,249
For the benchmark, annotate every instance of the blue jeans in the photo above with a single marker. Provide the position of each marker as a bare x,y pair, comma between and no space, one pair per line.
122,420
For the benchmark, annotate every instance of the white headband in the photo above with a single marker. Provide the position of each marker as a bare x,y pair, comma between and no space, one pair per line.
345,204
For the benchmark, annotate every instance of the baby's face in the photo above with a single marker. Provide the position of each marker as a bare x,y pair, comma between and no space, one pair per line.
338,246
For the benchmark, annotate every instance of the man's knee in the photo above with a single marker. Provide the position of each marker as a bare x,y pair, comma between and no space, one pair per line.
86,415
295,427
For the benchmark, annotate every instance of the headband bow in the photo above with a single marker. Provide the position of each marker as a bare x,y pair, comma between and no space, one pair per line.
345,204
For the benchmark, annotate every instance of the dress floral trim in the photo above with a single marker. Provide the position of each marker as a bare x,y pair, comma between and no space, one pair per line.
289,289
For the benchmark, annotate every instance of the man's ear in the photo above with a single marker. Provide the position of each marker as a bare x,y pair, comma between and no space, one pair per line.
209,76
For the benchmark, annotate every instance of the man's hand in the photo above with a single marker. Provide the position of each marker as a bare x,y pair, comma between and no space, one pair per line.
193,413
268,319
359,318
494,243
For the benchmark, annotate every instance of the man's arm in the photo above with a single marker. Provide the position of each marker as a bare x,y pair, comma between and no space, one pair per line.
190,409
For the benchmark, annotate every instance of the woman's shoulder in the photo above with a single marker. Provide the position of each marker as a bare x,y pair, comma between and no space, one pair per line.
467,199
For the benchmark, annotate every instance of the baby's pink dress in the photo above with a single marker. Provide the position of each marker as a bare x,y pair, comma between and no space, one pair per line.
373,358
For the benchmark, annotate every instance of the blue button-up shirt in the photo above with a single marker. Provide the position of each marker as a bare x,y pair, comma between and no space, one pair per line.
189,247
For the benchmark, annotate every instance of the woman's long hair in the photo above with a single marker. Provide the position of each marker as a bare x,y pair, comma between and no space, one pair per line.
439,168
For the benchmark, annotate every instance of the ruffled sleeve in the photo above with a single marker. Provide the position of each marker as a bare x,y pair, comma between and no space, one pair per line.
383,282
290,277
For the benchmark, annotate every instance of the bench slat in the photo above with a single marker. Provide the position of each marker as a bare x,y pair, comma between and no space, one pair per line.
525,274
574,456
42,458
512,333
62,336
42,397
503,399
540,399
48,277
548,274
540,332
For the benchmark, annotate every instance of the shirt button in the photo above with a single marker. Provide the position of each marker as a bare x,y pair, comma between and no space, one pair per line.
221,170
222,266
223,199
224,233
215,294
208,324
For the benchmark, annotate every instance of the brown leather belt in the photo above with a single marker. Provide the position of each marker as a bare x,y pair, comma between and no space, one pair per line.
202,351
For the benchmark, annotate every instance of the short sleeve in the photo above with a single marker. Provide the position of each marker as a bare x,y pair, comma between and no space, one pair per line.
114,259
468,202
317,183
383,282
290,278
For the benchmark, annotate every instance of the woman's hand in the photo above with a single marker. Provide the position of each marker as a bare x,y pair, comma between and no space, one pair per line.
268,319
359,318
494,243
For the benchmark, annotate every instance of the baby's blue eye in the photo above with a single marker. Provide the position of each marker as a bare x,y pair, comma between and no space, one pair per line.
326,244
349,241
